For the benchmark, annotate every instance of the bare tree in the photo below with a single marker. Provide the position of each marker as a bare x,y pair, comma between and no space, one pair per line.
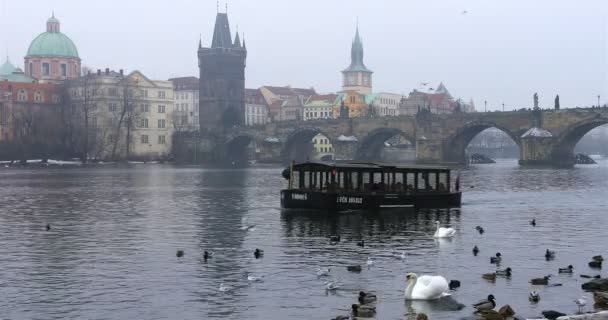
127,113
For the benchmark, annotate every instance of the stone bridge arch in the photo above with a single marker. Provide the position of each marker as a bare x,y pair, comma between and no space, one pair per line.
370,146
298,144
454,145
235,149
563,148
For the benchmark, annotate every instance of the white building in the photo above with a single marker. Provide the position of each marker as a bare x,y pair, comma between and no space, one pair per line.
386,104
122,106
256,109
186,107
319,107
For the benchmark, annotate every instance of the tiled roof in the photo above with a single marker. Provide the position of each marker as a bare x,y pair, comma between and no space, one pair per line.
289,91
185,83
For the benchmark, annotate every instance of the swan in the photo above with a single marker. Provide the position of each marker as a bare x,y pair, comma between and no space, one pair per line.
425,287
443,232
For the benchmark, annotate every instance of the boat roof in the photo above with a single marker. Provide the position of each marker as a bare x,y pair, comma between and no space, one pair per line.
365,166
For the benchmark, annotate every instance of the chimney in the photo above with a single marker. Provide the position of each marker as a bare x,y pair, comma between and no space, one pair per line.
98,72
107,71
121,72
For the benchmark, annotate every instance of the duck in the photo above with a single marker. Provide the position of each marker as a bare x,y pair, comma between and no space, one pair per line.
422,316
597,276
341,317
506,311
370,262
489,276
48,227
534,296
224,288
252,278
595,264
600,298
354,268
363,311
540,281
425,287
496,259
552,314
334,238
361,243
258,253
505,273
441,232
207,255
179,253
331,286
367,297
580,303
479,229
475,251
597,258
549,255
486,304
490,315
533,222
568,269
322,272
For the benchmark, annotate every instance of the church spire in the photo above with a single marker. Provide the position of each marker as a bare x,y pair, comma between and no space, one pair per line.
221,32
237,40
356,53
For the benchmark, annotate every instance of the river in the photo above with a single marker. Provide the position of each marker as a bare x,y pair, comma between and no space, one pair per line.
111,250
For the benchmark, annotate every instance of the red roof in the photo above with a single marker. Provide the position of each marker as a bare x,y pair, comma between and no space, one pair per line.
254,96
289,91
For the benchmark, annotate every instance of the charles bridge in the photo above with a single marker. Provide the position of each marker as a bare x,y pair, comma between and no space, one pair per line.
544,137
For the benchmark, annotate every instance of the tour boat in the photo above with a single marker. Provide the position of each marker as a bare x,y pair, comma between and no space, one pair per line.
346,186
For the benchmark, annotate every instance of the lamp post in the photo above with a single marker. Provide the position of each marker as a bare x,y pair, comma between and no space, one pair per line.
485,106
503,107
598,100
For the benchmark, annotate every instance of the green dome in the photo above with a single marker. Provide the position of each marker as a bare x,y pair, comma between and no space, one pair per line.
7,68
52,44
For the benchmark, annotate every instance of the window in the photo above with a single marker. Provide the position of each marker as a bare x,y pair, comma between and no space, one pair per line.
145,107
161,109
46,69
161,94
38,96
161,123
111,137
144,138
143,123
22,95
64,70
144,93
56,98
112,106
112,92
161,139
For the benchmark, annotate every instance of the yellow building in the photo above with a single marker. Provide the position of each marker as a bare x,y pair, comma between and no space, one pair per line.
356,103
323,150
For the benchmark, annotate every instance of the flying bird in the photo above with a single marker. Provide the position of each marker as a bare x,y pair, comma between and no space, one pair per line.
464,12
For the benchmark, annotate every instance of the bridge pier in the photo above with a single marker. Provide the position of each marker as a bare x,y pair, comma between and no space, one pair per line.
345,150
428,150
269,151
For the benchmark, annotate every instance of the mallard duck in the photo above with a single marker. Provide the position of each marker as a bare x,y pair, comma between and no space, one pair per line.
534,296
540,281
179,253
479,229
533,222
475,250
355,268
552,314
567,269
486,304
600,298
597,258
549,254
504,273
506,311
258,253
367,297
489,276
363,311
496,259
361,243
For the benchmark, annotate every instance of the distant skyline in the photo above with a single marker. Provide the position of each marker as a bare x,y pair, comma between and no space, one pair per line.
499,51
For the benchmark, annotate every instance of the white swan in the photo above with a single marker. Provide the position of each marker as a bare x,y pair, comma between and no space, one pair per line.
425,287
443,232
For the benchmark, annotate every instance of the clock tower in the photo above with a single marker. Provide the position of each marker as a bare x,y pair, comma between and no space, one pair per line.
357,77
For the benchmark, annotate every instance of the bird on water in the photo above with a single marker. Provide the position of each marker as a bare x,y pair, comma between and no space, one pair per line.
486,304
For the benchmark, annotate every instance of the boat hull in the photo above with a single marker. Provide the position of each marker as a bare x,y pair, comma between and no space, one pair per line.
307,199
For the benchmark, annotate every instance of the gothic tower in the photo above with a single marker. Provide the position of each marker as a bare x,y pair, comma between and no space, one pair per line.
357,77
222,79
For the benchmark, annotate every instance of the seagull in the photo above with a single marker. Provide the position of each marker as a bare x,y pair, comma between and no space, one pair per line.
370,262
534,296
330,286
464,12
580,302
322,272
224,288
253,278
249,227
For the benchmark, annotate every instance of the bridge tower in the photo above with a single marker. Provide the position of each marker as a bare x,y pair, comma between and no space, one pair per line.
357,77
222,79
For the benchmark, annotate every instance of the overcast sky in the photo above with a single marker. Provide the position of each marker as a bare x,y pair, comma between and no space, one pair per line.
499,51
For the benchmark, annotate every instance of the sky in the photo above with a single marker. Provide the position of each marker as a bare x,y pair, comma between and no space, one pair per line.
500,51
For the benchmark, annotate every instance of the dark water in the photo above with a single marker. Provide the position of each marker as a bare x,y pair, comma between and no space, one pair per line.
111,251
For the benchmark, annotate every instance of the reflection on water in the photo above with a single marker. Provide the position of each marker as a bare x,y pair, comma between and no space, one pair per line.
111,250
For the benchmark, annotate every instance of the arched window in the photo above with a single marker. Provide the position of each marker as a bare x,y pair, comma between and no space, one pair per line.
22,95
38,97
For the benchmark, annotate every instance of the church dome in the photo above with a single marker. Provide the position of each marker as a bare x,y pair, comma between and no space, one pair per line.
7,68
52,43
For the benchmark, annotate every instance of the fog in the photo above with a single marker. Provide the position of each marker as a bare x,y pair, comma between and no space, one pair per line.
499,51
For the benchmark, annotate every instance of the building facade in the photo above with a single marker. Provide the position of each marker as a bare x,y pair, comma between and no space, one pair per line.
322,148
276,98
319,107
357,104
256,109
222,79
357,77
185,114
52,56
129,116
386,104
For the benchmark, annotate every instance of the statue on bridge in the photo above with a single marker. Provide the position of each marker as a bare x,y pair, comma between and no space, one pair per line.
557,102
535,100
343,111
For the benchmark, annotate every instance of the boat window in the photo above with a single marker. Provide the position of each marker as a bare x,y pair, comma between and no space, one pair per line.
353,181
341,183
422,181
432,181
295,179
306,182
443,182
410,182
367,184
